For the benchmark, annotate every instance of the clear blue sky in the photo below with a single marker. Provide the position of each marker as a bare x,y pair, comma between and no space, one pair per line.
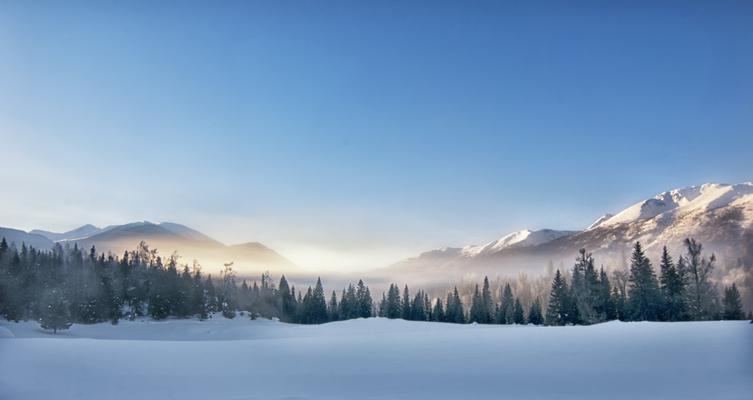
350,134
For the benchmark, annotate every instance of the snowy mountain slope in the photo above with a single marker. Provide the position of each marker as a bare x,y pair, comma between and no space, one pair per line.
718,215
688,200
600,221
187,232
78,233
524,238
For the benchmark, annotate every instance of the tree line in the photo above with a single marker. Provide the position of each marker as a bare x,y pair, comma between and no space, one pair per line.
69,285
682,291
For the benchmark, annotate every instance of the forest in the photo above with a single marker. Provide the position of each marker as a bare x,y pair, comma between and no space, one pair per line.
69,285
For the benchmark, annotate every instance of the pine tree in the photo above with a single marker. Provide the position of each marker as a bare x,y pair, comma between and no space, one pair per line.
643,298
506,307
199,296
333,309
382,312
487,302
535,316
454,310
319,304
477,313
733,308
417,308
437,314
349,303
286,300
605,306
518,316
672,288
406,311
557,310
584,290
364,301
393,302
56,315
459,308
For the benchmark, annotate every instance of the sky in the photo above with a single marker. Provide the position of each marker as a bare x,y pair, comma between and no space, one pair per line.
349,135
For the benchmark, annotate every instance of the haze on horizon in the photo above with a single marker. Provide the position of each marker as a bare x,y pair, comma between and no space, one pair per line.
348,136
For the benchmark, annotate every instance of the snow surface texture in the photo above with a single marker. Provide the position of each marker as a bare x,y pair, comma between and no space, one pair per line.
376,359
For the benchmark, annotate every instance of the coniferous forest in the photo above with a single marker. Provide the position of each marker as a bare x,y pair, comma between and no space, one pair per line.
71,285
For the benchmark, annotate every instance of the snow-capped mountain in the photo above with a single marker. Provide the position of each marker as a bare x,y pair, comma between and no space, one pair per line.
524,238
718,215
680,202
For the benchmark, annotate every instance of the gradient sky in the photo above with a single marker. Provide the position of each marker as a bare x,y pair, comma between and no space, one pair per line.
352,134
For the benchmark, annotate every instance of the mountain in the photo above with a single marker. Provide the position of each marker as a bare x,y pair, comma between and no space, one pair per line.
519,239
167,237
718,215
80,232
17,237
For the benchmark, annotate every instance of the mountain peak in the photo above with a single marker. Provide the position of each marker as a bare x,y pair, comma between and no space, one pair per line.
78,233
704,197
600,221
521,238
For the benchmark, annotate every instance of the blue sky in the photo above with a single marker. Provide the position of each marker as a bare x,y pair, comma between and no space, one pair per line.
351,134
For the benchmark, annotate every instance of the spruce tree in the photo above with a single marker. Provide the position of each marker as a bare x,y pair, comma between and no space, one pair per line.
286,300
454,310
506,307
319,304
733,308
56,315
459,308
364,301
437,314
487,302
406,311
605,306
333,309
518,316
672,288
557,310
584,290
535,316
393,302
382,311
477,313
417,307
643,298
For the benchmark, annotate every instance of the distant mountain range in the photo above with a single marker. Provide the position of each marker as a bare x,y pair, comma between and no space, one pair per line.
718,215
167,237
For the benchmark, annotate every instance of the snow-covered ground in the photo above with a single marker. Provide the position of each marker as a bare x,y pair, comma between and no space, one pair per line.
376,358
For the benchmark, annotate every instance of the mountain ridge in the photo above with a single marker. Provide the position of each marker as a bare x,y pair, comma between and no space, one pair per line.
167,237
718,215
